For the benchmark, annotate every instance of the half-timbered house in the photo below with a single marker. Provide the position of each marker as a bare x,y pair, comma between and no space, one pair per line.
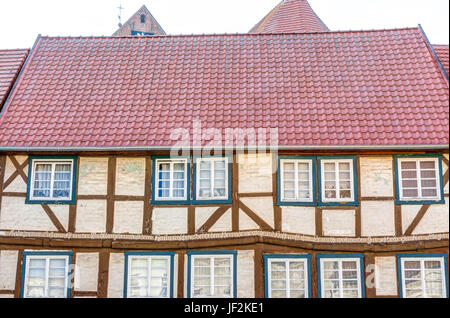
333,181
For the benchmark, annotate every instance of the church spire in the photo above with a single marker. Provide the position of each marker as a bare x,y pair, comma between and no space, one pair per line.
291,16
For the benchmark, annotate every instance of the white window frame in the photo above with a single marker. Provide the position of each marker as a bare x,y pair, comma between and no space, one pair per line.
287,261
337,180
52,162
149,277
47,259
197,178
341,279
419,179
422,261
171,189
212,257
296,162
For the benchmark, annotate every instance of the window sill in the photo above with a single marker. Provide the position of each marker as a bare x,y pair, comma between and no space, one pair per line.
56,202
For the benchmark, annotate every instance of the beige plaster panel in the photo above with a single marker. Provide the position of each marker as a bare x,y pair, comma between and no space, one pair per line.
386,276
301,220
8,269
338,222
435,220
245,274
91,216
263,207
255,173
93,176
377,218
18,184
128,217
86,272
130,176
116,275
169,221
16,215
246,223
376,176
409,212
204,213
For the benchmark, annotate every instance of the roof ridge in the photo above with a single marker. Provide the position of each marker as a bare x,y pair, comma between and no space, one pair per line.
227,34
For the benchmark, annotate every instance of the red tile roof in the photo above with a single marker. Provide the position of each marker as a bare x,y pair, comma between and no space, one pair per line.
442,52
291,16
368,88
11,62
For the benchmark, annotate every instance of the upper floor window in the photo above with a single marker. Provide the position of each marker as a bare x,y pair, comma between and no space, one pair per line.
149,274
419,179
337,180
51,179
46,274
212,274
423,276
142,18
212,179
171,179
341,276
296,179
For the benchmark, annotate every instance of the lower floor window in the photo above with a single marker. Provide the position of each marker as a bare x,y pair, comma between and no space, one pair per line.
149,275
287,277
340,277
46,275
423,277
212,275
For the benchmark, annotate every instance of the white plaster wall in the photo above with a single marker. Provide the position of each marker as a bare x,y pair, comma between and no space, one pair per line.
8,269
338,222
263,207
204,213
16,215
409,212
245,274
255,173
116,275
128,217
91,216
386,276
246,223
93,176
376,176
18,185
86,272
169,221
223,224
10,169
377,218
301,220
435,220
130,176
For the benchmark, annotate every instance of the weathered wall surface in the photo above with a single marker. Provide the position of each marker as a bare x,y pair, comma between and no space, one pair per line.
130,176
377,176
245,274
299,220
386,276
8,269
338,222
93,176
91,216
169,221
128,217
116,275
255,173
86,272
377,218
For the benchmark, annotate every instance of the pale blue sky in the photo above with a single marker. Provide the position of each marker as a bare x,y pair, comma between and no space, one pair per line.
22,20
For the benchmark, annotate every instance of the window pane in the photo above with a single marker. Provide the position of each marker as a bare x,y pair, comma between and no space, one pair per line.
278,284
344,166
428,174
327,265
278,266
330,176
410,193
219,164
432,264
408,165
298,294
350,294
202,261
297,284
279,294
330,194
427,165
349,265
429,193
329,167
409,174
409,183
35,292
412,265
303,176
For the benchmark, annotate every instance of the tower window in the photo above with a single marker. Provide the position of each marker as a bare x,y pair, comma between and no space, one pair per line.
142,18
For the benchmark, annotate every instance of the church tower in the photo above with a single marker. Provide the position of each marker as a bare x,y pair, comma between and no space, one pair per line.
141,23
291,16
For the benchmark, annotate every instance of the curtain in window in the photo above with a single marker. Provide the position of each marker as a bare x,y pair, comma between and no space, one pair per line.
62,181
42,180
